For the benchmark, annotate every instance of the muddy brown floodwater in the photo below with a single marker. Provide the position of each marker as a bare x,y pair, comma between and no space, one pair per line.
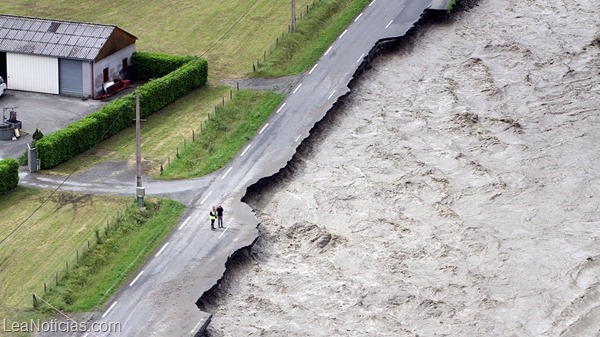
454,192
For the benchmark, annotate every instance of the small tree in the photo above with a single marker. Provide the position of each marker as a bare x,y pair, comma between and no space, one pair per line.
37,135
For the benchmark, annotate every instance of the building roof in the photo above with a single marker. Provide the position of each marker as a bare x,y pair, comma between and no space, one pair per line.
64,39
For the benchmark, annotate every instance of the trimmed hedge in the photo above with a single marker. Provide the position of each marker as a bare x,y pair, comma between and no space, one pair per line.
154,65
64,144
9,175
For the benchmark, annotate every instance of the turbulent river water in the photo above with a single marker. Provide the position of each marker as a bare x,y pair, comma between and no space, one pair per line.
454,192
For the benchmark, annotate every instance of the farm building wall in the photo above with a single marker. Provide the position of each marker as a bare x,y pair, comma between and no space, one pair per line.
114,64
86,74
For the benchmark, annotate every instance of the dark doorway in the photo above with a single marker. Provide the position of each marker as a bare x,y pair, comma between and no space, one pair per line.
3,72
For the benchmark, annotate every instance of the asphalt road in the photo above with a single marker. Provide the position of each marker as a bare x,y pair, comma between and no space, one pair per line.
159,299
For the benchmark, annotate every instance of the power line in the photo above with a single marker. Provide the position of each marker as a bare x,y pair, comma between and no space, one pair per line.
230,29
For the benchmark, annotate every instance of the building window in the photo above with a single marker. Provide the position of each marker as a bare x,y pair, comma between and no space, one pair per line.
125,64
105,75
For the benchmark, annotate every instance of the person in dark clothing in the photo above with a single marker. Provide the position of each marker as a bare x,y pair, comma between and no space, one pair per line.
220,216
212,216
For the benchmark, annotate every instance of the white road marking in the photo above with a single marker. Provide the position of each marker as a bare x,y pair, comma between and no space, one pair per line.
194,329
358,17
313,68
333,92
109,309
263,129
360,58
161,250
226,228
184,223
132,282
281,107
344,33
297,138
206,197
372,2
389,24
226,173
328,50
243,153
298,87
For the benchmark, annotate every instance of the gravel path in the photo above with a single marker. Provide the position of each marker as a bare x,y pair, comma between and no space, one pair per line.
455,192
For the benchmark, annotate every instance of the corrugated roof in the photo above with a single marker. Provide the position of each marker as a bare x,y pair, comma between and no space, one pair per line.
52,37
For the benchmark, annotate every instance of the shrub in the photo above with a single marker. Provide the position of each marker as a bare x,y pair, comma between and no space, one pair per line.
9,175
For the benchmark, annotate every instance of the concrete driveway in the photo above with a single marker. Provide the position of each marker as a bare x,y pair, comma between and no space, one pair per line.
46,112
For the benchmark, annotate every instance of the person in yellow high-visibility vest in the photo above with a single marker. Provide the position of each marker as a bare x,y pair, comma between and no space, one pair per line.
213,217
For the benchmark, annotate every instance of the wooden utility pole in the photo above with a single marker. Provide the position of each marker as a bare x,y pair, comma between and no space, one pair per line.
293,16
139,191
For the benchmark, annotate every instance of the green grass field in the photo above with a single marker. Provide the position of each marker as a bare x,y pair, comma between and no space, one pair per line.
184,27
225,134
162,134
122,248
45,242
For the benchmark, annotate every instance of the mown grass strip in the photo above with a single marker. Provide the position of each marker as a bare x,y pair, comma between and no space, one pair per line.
224,134
297,52
121,248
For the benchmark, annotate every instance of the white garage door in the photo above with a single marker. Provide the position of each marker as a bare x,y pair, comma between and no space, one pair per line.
32,73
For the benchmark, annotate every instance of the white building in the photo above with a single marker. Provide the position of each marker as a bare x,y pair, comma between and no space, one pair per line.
61,57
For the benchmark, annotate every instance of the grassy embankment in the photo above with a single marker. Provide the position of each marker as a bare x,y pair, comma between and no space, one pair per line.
296,53
52,237
224,134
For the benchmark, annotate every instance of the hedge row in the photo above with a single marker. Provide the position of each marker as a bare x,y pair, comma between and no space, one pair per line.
64,144
152,65
9,175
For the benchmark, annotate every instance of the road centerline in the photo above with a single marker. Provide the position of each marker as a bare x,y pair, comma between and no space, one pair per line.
263,129
161,250
298,87
134,280
245,150
109,309
184,223
226,173
331,95
226,228
195,327
281,107
206,197
389,24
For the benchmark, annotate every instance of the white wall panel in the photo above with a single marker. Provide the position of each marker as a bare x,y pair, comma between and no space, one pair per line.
32,73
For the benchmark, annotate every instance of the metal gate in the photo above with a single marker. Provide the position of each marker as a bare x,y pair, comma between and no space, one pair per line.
70,76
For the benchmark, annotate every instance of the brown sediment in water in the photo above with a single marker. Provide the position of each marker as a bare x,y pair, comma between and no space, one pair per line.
454,192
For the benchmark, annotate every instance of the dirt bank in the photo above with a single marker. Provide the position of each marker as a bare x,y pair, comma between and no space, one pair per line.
455,192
